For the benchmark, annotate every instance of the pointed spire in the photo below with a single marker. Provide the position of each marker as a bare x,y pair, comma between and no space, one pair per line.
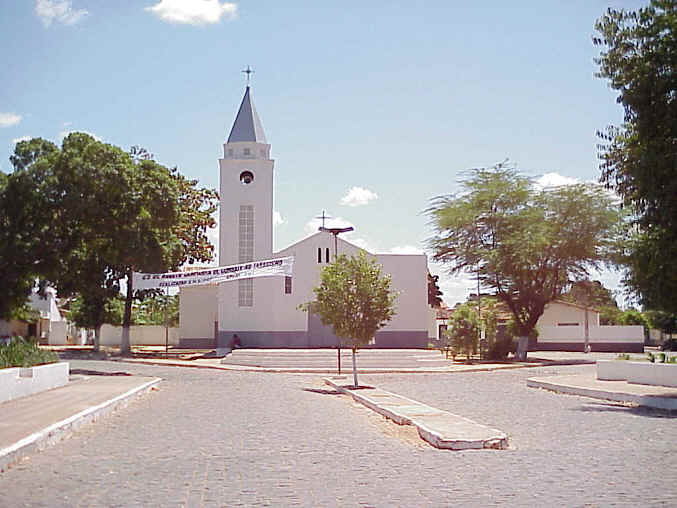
247,126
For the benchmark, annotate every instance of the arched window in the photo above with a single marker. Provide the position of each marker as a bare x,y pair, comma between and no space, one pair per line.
319,254
326,255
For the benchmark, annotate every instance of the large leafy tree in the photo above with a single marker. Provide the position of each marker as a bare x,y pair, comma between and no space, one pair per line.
355,299
524,243
26,217
108,214
639,158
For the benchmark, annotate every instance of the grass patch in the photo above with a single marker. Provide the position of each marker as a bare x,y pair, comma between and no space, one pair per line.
24,353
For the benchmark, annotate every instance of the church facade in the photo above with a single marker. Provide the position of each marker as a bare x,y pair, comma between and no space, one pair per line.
264,312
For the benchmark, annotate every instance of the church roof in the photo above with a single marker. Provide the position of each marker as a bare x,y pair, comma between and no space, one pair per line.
247,126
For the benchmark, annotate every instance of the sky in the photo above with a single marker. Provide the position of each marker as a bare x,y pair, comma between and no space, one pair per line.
371,108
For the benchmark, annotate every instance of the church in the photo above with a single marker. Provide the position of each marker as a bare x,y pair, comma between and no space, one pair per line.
264,312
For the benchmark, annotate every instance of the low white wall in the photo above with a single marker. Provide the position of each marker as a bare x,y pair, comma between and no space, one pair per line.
642,373
617,334
596,334
20,382
140,335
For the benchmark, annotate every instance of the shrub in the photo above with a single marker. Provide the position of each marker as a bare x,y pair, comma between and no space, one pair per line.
499,350
24,353
623,356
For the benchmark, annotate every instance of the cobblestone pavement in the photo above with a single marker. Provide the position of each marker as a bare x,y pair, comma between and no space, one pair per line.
212,438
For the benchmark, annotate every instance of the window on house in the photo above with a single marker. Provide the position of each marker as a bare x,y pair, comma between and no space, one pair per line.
326,255
247,151
287,285
319,254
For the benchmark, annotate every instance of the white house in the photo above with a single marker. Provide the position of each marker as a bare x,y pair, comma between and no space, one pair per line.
566,326
264,312
50,328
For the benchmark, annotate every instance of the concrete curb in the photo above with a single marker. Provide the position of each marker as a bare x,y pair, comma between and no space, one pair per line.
655,401
300,370
438,428
63,429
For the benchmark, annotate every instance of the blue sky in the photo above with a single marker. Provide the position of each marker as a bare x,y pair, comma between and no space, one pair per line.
394,98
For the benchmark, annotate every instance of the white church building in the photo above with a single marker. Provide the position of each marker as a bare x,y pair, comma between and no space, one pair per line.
264,312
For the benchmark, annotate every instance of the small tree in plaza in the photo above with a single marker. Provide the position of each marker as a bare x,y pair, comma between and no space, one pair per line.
466,324
355,299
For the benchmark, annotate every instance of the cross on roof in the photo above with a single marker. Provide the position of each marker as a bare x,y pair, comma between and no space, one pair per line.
248,71
323,217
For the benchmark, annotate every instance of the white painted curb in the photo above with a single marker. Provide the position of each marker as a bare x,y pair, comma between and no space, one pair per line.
62,430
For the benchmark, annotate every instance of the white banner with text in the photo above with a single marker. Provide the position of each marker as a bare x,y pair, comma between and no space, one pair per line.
266,268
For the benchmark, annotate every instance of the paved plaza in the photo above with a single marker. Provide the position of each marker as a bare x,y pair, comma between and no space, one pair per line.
227,438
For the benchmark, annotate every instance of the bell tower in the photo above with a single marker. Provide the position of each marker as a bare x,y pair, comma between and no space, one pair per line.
246,188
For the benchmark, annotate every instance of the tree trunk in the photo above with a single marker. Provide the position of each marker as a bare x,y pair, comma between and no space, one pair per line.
522,347
125,346
97,338
354,370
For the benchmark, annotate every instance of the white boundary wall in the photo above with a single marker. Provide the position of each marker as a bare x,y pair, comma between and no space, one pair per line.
140,335
597,334
19,382
643,373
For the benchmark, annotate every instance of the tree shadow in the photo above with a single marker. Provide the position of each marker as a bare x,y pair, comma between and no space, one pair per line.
323,391
611,407
87,372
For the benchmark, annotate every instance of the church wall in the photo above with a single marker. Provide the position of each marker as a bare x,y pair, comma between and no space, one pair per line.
197,312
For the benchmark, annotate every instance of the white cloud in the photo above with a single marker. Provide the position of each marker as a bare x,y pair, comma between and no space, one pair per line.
9,119
555,180
22,138
58,10
193,12
358,196
405,249
278,220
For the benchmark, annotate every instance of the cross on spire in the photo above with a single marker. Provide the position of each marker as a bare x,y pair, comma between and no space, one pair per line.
248,71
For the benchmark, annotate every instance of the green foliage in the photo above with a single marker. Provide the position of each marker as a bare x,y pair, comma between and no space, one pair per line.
354,298
634,317
463,330
434,293
638,159
623,356
154,308
526,244
86,215
651,357
26,313
24,353
661,320
26,216
594,294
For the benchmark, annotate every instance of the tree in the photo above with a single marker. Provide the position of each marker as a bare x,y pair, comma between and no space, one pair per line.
355,299
639,159
26,217
106,214
526,244
434,293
